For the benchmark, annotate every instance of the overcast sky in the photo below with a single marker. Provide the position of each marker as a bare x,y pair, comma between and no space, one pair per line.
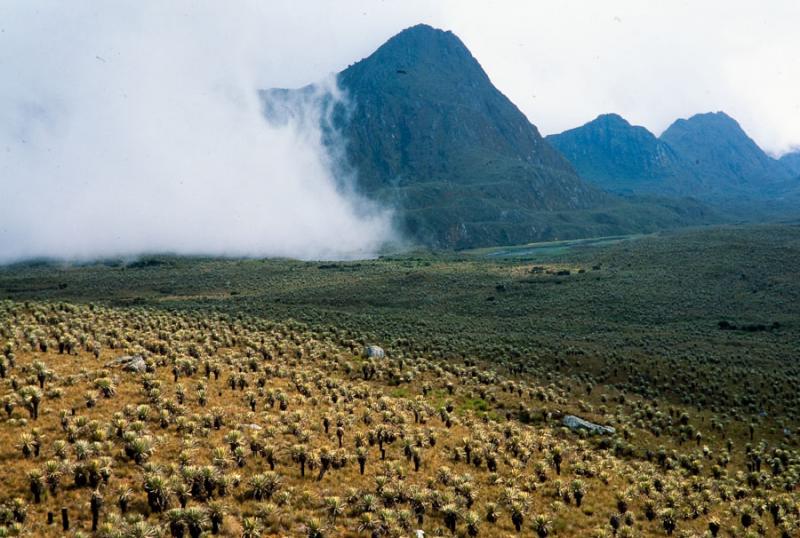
563,62
132,126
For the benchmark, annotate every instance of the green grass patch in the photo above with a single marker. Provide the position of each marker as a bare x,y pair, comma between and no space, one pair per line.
475,404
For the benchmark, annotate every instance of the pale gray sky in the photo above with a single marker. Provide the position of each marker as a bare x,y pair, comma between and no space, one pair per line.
132,125
563,62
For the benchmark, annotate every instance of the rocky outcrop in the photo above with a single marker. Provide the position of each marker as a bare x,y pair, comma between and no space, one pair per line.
575,423
129,363
374,352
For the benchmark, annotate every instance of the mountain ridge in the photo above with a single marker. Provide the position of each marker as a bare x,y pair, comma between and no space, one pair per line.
426,133
707,156
723,157
426,127
620,157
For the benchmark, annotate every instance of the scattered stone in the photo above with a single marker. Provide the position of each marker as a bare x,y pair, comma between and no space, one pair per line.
129,363
575,423
375,352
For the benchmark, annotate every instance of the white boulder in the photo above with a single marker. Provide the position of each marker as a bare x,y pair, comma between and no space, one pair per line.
575,423
374,352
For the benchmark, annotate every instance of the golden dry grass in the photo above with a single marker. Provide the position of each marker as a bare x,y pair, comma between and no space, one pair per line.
514,417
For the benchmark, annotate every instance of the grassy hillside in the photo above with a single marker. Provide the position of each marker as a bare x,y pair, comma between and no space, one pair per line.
685,343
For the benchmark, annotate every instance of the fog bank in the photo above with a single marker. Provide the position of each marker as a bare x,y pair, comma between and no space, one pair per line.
138,128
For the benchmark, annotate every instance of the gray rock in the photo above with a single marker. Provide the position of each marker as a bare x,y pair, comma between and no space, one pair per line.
129,363
575,423
376,352
136,365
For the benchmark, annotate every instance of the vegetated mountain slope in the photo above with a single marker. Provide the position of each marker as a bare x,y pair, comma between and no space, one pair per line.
427,133
725,161
791,161
708,157
621,157
425,111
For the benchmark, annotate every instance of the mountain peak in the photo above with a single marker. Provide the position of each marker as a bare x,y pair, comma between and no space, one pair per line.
427,131
699,127
419,51
616,155
707,120
425,85
422,29
424,34
718,115
610,119
722,155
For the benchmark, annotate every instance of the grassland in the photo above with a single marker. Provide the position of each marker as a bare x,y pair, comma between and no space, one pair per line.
685,342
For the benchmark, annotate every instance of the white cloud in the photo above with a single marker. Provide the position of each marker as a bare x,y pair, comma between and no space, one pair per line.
134,129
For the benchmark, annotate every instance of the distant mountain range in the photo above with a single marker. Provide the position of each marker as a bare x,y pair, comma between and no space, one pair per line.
708,156
428,134
621,157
